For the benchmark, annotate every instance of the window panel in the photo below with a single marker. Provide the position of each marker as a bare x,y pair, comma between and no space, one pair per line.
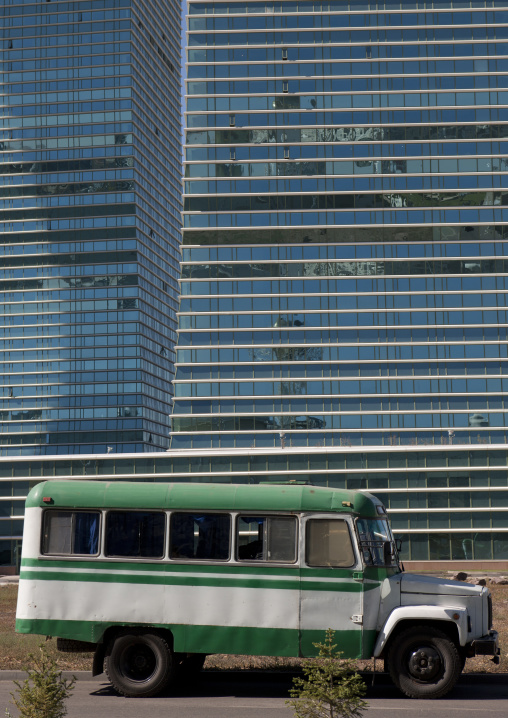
200,536
328,543
71,532
267,538
135,534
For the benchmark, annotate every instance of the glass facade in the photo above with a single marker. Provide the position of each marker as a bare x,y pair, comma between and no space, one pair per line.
343,280
90,180
345,225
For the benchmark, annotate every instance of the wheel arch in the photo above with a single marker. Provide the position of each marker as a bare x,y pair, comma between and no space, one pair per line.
114,631
451,621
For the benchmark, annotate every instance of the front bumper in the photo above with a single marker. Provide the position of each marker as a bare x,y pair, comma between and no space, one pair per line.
486,645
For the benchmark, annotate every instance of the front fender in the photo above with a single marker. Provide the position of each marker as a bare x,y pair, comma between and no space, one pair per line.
419,615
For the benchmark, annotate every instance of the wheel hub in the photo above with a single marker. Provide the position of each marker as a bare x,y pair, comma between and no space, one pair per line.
138,663
425,663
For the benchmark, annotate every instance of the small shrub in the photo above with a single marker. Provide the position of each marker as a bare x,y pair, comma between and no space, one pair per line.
44,692
331,687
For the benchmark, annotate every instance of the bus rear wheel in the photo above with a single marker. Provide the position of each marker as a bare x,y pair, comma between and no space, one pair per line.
139,665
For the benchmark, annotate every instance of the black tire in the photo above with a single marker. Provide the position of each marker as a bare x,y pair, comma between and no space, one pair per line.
423,662
139,665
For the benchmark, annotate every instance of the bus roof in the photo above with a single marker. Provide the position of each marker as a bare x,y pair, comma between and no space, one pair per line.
200,496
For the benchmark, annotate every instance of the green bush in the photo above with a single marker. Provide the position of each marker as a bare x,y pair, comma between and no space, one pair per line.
331,687
44,692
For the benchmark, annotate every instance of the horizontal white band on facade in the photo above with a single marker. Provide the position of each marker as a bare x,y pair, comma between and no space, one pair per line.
385,225
446,395
189,231
245,452
348,362
306,472
297,472
345,312
242,45
346,295
328,193
429,208
325,345
367,395
346,175
266,11
374,108
310,413
329,93
325,143
339,93
343,278
346,327
386,431
456,509
337,377
374,160
253,433
466,530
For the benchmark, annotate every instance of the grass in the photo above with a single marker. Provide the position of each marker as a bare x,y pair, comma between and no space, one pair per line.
14,647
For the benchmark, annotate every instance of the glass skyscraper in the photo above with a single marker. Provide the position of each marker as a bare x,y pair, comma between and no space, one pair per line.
90,224
343,308
344,268
343,311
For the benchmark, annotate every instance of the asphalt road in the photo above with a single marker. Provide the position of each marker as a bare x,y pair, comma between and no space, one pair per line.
263,695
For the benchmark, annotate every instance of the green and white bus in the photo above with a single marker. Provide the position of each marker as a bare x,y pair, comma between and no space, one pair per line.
152,577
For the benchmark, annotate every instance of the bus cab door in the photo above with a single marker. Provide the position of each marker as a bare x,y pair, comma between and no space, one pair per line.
331,585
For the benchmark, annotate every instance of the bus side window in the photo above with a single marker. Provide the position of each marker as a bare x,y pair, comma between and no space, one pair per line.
200,536
71,533
328,543
267,538
135,534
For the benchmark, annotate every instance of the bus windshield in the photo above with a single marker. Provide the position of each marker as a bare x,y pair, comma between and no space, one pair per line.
376,542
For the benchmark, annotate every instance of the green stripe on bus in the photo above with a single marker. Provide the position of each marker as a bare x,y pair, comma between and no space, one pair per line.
212,639
207,580
263,569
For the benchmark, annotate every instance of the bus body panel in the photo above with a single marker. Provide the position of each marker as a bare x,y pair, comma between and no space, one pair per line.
208,607
260,616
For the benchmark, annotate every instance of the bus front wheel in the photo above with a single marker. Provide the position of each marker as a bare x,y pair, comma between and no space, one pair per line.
139,664
423,662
